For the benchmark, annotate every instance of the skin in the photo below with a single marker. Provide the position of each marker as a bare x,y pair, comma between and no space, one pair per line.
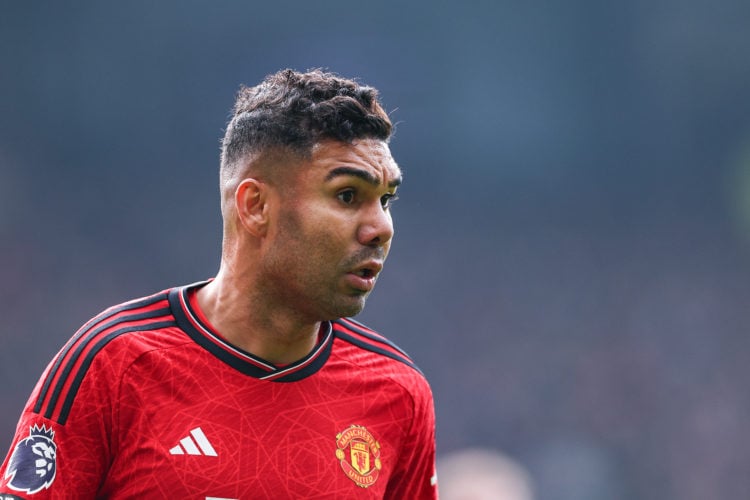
304,239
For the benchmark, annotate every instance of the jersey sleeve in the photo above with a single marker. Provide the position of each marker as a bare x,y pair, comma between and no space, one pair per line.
415,477
61,447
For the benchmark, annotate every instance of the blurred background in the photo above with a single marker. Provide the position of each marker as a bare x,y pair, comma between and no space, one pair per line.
572,259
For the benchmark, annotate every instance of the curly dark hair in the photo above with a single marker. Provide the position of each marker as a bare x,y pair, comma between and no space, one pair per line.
294,111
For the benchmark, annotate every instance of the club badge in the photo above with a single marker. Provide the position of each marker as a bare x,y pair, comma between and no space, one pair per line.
359,455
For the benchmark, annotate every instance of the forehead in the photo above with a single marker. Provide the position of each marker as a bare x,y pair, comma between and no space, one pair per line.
371,156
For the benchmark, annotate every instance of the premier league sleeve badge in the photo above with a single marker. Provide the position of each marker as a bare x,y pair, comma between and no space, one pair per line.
32,466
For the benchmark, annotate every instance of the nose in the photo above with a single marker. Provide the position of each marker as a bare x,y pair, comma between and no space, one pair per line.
376,228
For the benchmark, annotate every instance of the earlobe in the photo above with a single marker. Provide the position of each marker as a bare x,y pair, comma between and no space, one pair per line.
250,199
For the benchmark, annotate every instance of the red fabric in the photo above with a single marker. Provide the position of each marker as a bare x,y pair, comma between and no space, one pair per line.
156,415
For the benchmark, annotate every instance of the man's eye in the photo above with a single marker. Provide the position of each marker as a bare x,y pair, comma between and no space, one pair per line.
388,199
346,196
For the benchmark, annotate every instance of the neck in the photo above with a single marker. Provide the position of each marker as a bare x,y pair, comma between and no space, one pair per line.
244,319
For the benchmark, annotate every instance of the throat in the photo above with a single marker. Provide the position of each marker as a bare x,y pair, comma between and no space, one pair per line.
277,342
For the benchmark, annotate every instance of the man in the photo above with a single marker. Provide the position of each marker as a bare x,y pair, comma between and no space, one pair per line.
253,384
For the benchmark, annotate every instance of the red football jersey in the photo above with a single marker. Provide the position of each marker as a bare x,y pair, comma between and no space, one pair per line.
146,401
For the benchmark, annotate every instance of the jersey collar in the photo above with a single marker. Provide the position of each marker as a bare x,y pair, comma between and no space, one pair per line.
189,321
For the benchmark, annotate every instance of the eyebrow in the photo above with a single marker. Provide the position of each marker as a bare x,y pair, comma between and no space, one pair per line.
360,174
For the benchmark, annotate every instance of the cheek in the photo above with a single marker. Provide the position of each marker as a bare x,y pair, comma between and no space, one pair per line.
317,230
329,224
307,234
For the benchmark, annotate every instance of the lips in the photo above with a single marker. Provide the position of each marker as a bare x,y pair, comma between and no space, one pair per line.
369,269
363,276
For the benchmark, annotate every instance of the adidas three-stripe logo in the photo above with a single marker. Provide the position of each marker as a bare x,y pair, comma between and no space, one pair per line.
195,444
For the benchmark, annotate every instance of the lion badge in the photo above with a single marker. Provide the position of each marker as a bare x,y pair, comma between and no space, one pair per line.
33,465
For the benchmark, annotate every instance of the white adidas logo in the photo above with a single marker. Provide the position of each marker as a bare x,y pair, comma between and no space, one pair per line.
196,445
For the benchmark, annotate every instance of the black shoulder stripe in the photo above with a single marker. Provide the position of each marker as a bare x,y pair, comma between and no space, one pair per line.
363,330
145,302
71,361
370,347
68,367
68,403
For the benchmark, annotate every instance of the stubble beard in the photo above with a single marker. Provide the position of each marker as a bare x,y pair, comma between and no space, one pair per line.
306,280
311,293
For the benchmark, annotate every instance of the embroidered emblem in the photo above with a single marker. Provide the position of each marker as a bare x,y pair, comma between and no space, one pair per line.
359,455
33,465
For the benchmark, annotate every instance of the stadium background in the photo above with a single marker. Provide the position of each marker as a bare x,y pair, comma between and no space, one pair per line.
572,254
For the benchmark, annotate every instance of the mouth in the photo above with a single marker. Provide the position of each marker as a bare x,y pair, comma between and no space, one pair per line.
364,273
368,270
363,277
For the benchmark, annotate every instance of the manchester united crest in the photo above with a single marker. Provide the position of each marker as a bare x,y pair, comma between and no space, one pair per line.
359,455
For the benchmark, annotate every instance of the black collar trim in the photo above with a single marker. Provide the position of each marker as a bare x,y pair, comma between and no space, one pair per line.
237,358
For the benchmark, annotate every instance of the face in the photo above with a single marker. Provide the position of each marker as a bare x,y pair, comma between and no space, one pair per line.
332,229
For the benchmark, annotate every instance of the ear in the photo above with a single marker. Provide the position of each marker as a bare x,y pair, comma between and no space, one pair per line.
251,201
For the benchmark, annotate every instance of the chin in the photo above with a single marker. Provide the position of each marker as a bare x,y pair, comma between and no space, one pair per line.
346,310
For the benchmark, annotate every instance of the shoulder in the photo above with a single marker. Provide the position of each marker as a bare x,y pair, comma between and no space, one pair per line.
370,341
387,369
101,350
131,323
369,349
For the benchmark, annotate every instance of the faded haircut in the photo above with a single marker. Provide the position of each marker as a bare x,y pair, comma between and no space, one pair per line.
291,112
